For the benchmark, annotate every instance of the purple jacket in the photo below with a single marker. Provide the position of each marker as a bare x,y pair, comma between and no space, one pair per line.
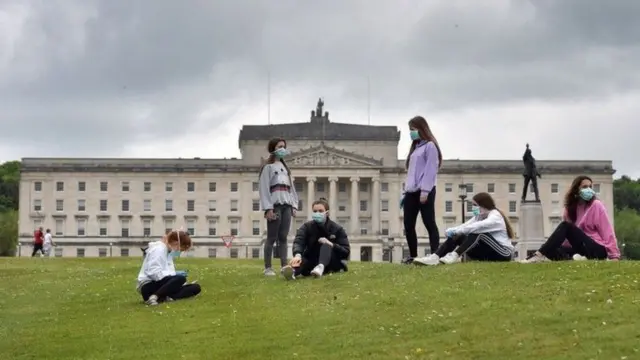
422,174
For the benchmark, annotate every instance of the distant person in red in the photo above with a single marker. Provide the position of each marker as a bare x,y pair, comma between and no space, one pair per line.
38,242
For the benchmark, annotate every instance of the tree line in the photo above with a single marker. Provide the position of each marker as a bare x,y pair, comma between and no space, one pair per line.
626,199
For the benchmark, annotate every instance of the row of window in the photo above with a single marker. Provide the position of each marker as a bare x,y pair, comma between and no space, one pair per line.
125,252
512,188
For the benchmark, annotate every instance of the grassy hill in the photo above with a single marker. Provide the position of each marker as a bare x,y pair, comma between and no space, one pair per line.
88,309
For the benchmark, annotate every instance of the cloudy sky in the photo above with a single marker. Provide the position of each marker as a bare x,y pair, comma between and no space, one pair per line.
166,78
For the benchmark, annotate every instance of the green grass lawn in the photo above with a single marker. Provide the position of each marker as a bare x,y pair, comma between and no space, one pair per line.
88,309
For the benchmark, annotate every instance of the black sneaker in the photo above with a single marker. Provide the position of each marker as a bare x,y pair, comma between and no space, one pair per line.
407,261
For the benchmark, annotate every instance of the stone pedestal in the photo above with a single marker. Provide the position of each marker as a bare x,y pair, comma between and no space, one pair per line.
531,228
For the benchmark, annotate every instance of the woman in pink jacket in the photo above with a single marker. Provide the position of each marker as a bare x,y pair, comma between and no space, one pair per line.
585,232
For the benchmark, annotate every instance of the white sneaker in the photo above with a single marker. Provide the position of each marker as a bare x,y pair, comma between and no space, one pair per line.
269,272
535,259
450,258
431,260
152,301
578,257
318,271
288,273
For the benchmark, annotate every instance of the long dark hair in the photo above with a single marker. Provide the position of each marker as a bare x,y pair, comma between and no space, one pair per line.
484,200
271,147
420,124
572,197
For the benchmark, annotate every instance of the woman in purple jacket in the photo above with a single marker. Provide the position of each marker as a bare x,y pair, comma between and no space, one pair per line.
423,163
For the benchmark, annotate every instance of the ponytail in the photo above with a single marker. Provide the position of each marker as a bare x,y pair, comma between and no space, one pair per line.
510,233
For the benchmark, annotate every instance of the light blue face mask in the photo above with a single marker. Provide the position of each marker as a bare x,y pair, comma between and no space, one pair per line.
280,153
319,217
587,194
176,253
475,210
414,134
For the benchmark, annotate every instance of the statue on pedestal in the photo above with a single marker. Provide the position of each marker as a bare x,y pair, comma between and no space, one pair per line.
530,174
319,107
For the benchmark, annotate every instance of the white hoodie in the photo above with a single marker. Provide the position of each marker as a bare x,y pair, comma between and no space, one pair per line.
157,264
493,224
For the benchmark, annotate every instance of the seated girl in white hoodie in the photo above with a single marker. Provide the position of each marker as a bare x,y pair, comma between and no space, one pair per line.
158,280
486,237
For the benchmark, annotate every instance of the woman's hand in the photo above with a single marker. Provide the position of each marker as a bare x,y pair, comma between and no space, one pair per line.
295,262
270,215
294,212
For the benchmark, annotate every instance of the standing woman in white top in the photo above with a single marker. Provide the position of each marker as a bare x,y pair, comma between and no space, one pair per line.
278,200
486,237
48,243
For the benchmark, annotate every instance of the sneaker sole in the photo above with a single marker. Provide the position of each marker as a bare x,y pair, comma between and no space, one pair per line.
420,263
288,273
316,275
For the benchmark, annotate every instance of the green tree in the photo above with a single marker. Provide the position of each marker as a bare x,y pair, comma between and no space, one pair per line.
8,232
626,193
9,185
627,227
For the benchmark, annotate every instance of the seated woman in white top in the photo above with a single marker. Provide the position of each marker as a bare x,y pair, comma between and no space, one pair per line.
486,237
158,280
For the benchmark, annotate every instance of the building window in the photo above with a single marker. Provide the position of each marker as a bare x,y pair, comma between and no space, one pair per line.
212,205
212,188
448,187
146,204
469,205
363,205
384,187
58,252
341,206
191,205
448,206
491,188
298,186
234,187
125,205
82,186
124,252
233,253
213,252
384,205
37,223
342,187
125,186
37,186
168,225
512,206
103,205
146,186
82,205
470,188
512,188
319,187
386,255
555,222
168,186
555,188
102,252
255,205
300,205
364,227
364,187
59,186
256,227
233,205
80,252
104,186
168,205
255,253
191,227
146,227
59,205
102,227
82,227
124,228
191,186
59,229
384,227
212,227
37,205
255,186
596,188
234,227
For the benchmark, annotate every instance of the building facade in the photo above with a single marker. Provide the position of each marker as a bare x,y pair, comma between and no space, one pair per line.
112,207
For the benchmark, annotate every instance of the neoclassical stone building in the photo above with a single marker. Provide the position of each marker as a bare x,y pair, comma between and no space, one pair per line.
111,207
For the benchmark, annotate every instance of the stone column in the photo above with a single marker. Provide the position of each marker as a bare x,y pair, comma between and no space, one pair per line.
355,206
395,193
333,196
375,206
311,195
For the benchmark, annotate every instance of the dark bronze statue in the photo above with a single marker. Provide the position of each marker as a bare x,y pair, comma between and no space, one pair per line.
319,107
530,174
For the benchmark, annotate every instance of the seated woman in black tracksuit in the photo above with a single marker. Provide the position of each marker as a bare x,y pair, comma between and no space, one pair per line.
321,246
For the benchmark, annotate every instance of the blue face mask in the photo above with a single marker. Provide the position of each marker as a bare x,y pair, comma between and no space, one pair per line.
587,194
319,217
414,134
475,210
175,253
280,153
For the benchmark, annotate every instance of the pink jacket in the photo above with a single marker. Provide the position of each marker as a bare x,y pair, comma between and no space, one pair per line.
594,221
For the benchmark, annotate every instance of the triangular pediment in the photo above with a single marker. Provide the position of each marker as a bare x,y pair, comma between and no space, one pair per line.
327,156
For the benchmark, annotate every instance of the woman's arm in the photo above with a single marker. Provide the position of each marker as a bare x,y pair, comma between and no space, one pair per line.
341,243
264,189
493,222
301,240
606,232
430,170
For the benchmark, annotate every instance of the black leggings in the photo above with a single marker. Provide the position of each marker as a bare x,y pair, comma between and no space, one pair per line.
580,244
412,206
327,257
481,247
170,286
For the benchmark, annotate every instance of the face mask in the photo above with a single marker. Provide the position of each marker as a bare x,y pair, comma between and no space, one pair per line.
414,134
175,253
475,210
318,217
280,153
587,194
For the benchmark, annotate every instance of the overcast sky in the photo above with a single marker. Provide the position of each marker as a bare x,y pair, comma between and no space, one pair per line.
165,78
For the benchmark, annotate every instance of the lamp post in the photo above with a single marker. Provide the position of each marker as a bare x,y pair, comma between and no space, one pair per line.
110,249
462,194
390,244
